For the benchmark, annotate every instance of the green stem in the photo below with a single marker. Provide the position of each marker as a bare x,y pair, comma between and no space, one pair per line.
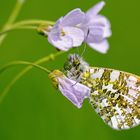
15,12
21,27
11,19
14,63
34,22
27,27
24,71
27,24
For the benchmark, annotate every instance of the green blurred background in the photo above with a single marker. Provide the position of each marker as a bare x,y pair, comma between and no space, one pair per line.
33,109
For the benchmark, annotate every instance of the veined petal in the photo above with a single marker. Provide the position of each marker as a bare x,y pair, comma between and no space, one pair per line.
95,10
53,29
76,34
101,47
107,32
64,43
97,33
103,22
73,18
100,20
57,24
75,92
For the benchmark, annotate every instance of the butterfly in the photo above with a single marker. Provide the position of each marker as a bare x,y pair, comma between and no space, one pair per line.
114,95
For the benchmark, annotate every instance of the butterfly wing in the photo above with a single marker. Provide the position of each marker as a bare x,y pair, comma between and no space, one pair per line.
115,96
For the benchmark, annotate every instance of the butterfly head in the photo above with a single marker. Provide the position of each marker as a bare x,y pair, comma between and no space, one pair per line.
75,66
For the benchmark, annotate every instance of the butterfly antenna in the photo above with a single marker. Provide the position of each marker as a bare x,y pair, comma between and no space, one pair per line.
85,46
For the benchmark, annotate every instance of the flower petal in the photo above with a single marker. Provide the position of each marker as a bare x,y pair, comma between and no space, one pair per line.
64,43
104,23
53,29
97,33
57,24
75,92
100,20
76,34
73,18
101,47
95,10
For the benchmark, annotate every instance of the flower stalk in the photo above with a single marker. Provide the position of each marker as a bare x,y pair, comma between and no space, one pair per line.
20,27
14,63
7,66
34,22
27,24
11,19
25,70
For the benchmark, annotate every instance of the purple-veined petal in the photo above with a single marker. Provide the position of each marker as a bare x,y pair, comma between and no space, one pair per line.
72,37
76,34
64,43
73,18
75,92
101,47
100,20
58,23
97,33
54,28
95,10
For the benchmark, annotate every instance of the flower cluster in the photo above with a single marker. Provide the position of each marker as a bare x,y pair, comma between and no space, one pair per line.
77,27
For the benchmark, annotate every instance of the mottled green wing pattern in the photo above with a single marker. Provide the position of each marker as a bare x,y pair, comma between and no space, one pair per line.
115,96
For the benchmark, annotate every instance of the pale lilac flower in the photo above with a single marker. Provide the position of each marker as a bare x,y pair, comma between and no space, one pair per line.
73,91
97,28
65,34
78,27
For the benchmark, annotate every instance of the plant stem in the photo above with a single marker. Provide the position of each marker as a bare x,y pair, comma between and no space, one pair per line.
34,22
27,27
27,24
11,19
24,71
15,12
21,27
14,63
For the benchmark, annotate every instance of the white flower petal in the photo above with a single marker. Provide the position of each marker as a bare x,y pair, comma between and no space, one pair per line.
100,20
107,32
57,24
75,92
97,33
73,18
101,47
64,43
76,34
103,22
95,10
